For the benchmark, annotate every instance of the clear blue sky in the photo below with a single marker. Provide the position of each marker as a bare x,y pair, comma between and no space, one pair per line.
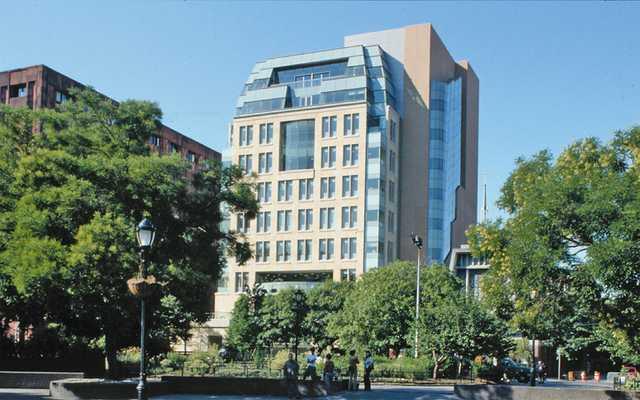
550,73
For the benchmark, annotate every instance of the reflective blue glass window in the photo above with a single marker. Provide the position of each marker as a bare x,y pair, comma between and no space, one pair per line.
296,145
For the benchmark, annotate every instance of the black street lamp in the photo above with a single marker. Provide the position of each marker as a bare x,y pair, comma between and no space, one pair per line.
298,299
140,287
417,240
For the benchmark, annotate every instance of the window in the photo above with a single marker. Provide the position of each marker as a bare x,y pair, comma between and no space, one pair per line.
60,97
19,90
296,145
305,189
264,222
242,282
173,148
284,221
262,251
265,162
349,185
325,249
350,155
283,250
351,124
328,157
193,158
154,140
327,218
304,250
391,221
392,191
389,252
245,162
349,217
242,223
266,133
264,192
285,190
392,161
329,126
348,274
348,248
305,219
249,135
328,188
393,134
246,135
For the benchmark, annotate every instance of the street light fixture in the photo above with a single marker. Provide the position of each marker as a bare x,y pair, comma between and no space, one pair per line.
534,294
417,241
298,299
145,233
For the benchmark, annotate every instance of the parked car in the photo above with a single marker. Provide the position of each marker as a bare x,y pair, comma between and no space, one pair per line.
513,370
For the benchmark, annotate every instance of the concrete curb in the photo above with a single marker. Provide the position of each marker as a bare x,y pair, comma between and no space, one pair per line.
506,392
33,379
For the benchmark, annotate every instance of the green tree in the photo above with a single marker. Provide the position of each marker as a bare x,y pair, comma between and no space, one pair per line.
572,233
243,328
324,301
71,195
281,319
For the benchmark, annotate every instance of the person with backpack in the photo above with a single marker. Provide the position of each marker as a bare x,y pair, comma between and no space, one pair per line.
311,366
368,368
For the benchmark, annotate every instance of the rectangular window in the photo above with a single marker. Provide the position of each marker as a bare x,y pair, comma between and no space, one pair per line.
389,252
265,162
296,145
264,222
333,121
348,248
305,219
245,162
349,185
262,251
348,275
304,250
325,127
285,190
242,223
266,133
393,134
326,249
242,282
349,217
391,223
243,136
392,161
264,192
154,140
284,221
392,191
327,218
351,124
350,155
283,250
328,157
305,189
328,188
249,135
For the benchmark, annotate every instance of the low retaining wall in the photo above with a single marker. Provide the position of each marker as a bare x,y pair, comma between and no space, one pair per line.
75,389
506,392
246,386
33,379
85,389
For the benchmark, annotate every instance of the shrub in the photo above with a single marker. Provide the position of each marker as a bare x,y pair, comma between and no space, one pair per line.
202,362
173,362
277,362
488,372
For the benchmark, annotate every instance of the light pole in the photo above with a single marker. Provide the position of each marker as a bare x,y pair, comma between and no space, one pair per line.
145,233
417,240
534,294
298,299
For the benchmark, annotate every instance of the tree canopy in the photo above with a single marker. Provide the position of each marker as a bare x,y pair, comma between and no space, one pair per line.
565,261
74,182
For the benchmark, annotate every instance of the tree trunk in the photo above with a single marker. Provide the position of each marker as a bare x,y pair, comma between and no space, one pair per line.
459,369
435,365
111,350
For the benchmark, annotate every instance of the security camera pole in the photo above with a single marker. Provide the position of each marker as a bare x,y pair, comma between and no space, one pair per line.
417,240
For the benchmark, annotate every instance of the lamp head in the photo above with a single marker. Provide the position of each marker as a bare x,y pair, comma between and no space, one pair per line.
145,233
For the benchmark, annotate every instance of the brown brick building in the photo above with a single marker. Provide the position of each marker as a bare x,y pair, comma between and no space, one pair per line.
40,86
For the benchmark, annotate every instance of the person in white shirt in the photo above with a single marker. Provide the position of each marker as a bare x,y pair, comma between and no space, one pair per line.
368,367
311,366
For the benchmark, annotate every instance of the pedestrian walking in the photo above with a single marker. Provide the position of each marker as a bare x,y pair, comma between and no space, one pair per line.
541,371
353,370
311,366
329,371
368,368
291,370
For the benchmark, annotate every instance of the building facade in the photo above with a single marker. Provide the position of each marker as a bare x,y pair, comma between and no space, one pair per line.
468,268
352,149
42,87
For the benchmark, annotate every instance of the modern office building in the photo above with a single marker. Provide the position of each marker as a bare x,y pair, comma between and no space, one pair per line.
353,149
39,86
468,268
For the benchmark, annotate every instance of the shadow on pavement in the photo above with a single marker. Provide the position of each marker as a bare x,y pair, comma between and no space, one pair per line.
24,394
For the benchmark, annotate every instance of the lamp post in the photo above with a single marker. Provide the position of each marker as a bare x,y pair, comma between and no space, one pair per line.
145,233
298,298
417,240
534,294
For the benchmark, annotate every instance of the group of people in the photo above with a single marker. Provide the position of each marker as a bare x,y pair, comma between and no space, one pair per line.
291,371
